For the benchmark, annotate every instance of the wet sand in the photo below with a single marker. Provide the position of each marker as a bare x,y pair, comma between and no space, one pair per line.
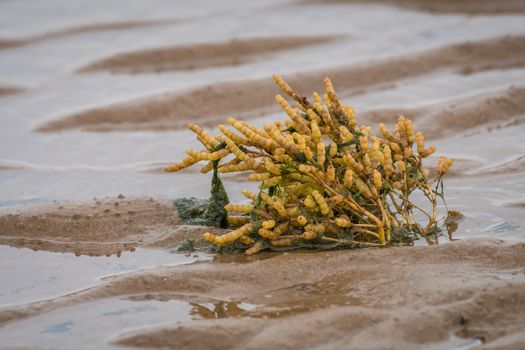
471,289
463,115
6,43
516,165
370,299
516,205
10,167
189,57
471,7
10,90
211,104
104,226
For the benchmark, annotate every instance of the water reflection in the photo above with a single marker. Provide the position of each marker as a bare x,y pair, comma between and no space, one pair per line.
31,276
235,309
457,341
452,222
221,309
59,327
89,325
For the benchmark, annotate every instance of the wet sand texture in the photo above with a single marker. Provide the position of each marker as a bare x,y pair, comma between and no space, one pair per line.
477,113
213,102
6,43
9,90
515,165
371,298
471,7
189,57
355,300
102,227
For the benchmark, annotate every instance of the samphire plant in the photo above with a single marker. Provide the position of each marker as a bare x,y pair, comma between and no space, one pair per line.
324,181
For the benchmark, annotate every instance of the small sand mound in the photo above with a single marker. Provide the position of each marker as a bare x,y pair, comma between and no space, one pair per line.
103,227
212,103
189,57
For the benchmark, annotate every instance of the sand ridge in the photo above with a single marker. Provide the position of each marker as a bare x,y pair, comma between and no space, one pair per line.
475,113
212,103
10,167
10,90
512,166
188,57
468,7
6,43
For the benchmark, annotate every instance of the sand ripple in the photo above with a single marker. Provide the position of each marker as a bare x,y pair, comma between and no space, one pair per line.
6,43
189,57
470,7
10,90
212,103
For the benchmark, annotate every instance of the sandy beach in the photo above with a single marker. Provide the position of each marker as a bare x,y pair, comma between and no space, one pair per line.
94,102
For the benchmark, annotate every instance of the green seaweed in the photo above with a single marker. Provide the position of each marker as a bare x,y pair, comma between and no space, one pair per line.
403,236
206,212
191,210
194,245
186,246
200,245
215,214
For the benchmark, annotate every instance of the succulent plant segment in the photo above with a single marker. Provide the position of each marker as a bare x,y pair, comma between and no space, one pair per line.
324,180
